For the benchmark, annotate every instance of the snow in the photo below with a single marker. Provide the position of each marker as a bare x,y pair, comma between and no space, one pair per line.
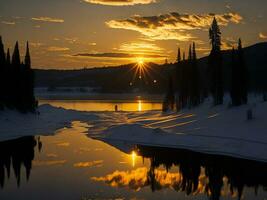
214,130
14,124
219,130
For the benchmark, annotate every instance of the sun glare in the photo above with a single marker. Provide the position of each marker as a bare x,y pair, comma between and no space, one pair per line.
140,62
133,158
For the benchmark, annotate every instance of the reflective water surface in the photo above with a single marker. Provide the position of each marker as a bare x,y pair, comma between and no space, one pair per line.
70,165
104,105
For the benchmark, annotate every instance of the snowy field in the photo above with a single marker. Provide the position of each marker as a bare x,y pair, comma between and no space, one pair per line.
215,130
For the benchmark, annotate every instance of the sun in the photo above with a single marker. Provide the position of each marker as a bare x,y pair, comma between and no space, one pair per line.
140,62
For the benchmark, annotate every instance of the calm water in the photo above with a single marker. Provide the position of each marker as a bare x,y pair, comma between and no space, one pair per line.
70,165
93,105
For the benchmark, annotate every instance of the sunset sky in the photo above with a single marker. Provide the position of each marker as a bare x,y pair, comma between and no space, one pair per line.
69,34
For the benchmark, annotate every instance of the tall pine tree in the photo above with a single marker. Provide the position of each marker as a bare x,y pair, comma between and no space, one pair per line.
29,82
15,89
243,73
2,73
195,99
179,59
215,64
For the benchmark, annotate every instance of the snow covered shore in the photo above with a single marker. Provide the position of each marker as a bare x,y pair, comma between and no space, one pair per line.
50,119
207,129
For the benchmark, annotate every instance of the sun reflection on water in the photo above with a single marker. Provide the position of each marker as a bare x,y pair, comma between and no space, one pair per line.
133,158
139,105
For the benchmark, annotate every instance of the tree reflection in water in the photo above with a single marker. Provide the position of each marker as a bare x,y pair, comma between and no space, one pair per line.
16,153
237,173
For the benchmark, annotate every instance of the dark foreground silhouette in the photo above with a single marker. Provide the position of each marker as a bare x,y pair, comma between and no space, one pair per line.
16,154
239,173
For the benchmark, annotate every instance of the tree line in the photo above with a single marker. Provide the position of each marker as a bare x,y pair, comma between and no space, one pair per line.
16,80
191,91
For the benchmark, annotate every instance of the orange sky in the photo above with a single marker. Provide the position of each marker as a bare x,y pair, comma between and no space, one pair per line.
70,34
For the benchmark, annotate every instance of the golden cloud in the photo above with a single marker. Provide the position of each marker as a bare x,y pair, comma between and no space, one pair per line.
117,55
96,163
262,36
172,26
48,162
8,22
48,19
120,2
58,49
140,47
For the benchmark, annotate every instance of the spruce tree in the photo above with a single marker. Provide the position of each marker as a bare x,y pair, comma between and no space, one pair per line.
169,100
234,83
8,62
178,78
243,73
215,64
29,81
2,74
239,77
15,89
195,79
179,56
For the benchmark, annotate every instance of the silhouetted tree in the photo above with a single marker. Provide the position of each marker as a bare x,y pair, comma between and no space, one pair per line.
169,101
179,59
195,98
234,84
239,77
215,64
29,82
243,73
16,80
2,71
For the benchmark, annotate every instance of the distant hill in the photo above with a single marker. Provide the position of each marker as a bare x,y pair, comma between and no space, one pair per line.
121,78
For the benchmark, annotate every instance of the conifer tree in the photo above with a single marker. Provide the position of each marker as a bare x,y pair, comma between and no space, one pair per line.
195,99
239,77
29,81
7,79
2,73
215,64
15,89
8,62
234,83
169,101
243,73
179,56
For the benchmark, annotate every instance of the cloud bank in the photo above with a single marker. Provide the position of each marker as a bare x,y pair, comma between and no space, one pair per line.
172,26
48,19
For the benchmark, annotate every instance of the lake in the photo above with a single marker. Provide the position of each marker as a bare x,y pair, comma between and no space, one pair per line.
70,165
104,105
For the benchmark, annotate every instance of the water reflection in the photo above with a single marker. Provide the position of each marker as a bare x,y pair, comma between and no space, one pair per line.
16,154
93,105
190,172
86,164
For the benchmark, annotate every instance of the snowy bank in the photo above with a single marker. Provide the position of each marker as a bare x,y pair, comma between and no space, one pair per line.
14,124
214,130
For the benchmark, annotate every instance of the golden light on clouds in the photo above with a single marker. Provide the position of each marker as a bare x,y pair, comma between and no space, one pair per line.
120,2
8,22
95,163
172,26
48,19
262,36
58,49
